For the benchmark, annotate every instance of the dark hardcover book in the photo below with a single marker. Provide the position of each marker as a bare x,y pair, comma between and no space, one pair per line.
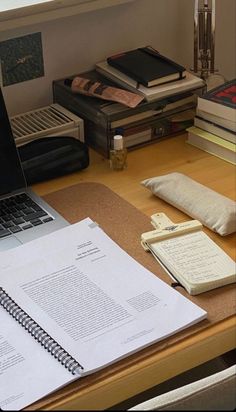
147,66
220,101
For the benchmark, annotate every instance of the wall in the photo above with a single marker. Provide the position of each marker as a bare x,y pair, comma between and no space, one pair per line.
74,44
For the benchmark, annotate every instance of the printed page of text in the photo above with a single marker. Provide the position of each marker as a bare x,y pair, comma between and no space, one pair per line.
92,297
27,371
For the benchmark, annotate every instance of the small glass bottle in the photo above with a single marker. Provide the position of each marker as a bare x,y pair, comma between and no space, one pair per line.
118,155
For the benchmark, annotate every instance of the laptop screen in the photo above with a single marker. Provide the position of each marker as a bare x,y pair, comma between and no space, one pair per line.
11,173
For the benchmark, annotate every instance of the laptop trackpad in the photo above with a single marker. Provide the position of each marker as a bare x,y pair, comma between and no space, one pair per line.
9,243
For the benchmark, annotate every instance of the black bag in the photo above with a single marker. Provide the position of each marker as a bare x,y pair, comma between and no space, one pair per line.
50,157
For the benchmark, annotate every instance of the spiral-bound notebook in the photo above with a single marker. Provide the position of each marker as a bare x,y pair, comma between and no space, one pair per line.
77,307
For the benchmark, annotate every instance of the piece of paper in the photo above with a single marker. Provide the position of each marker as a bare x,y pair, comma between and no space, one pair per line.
95,300
27,371
195,259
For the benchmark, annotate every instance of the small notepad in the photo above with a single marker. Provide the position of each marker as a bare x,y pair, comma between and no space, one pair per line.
189,256
196,262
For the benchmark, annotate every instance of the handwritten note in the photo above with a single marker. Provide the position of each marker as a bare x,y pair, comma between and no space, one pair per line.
195,258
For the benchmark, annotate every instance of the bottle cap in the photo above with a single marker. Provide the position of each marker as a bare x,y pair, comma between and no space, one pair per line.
118,142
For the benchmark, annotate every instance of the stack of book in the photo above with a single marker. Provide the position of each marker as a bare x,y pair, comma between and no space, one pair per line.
214,127
148,122
146,72
168,107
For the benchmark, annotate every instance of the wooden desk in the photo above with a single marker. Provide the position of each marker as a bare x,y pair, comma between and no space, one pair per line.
170,155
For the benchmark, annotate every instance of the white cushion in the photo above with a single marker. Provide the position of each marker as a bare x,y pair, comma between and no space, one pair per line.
212,209
216,392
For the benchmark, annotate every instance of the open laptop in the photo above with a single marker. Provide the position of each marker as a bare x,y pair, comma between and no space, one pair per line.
24,216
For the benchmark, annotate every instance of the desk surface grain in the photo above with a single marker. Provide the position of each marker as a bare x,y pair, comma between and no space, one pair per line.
167,156
113,386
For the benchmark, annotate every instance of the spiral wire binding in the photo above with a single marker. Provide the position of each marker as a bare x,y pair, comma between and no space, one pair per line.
38,333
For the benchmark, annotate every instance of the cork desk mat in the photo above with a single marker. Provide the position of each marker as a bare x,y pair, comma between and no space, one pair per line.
124,224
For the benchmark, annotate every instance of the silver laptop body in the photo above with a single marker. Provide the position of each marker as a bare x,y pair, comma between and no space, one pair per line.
37,218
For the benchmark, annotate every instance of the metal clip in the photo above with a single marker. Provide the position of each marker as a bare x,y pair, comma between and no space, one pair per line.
165,229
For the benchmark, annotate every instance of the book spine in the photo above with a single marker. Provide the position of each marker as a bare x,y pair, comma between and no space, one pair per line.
39,334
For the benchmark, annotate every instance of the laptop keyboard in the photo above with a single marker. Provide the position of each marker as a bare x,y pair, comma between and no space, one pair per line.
20,212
